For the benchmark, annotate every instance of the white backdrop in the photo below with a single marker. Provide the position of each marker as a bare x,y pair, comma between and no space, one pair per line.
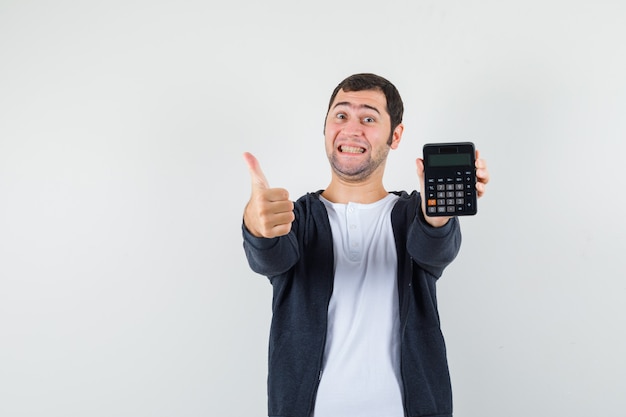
124,290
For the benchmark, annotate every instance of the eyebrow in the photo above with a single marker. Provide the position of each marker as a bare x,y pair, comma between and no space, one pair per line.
347,103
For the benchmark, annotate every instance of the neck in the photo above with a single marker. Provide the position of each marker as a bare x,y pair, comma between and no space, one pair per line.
365,191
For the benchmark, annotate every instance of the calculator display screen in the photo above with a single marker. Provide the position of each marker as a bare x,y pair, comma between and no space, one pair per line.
450,160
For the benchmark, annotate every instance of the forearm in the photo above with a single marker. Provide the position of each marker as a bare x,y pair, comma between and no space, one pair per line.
270,256
433,248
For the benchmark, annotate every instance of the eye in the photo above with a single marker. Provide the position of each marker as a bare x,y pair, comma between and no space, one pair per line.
340,116
368,120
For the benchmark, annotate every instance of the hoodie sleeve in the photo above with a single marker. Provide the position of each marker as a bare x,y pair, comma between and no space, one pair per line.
433,248
270,256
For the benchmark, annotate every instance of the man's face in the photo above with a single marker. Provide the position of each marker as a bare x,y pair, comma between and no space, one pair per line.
358,134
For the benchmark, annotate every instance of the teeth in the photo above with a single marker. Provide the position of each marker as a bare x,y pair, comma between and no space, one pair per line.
352,149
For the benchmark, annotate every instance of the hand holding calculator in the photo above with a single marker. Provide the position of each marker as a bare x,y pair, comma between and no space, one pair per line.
450,179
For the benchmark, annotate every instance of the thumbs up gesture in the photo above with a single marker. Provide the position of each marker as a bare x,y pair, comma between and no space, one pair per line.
269,213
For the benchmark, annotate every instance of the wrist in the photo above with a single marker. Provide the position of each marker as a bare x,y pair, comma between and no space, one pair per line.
437,221
434,221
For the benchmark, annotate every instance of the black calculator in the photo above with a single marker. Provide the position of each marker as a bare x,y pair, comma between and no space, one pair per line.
450,179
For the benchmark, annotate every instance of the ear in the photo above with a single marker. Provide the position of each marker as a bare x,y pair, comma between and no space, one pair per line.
396,136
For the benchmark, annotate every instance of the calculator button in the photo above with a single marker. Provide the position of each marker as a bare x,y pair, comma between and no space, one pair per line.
451,193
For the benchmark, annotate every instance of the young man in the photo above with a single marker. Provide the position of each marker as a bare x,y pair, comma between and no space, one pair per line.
355,329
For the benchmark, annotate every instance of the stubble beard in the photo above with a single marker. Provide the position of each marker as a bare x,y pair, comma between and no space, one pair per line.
360,172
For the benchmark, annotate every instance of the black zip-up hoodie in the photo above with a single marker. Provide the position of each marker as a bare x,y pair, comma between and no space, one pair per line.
300,268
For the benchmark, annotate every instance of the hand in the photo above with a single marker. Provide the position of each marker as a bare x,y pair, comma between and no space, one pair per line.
482,175
433,221
482,178
269,213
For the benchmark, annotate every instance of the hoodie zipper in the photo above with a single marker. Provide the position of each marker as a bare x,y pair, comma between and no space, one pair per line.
402,331
319,372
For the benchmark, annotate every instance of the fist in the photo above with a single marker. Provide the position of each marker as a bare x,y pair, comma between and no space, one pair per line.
269,213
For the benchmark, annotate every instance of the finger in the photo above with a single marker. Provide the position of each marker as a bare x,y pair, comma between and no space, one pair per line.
279,230
284,218
480,189
277,224
282,206
482,173
256,174
276,194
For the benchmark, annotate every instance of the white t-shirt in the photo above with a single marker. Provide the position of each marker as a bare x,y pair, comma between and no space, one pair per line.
361,367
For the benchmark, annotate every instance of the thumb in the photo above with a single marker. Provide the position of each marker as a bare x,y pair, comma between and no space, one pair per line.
419,164
256,174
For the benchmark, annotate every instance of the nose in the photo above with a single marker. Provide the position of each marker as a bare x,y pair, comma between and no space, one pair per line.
352,128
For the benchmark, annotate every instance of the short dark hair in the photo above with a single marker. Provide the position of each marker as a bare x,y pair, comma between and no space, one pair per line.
366,81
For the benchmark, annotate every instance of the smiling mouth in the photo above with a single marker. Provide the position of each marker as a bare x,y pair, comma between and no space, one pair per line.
351,149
